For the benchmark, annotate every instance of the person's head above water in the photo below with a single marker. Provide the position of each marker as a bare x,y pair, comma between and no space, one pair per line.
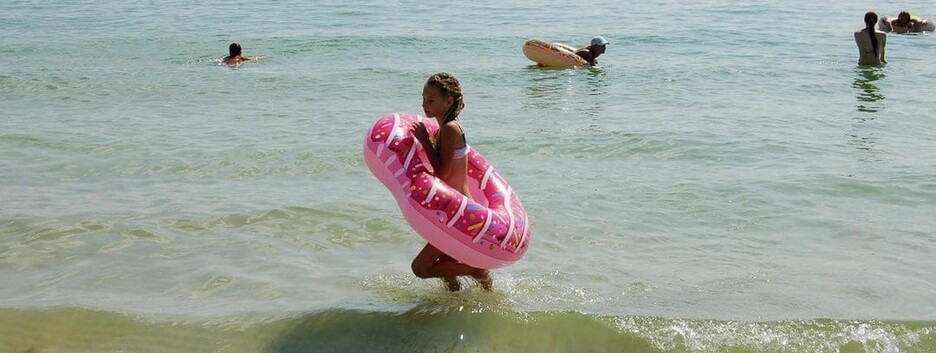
870,19
234,50
599,40
442,97
598,44
904,18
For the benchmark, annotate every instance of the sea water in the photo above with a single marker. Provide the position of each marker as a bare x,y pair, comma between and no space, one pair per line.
727,178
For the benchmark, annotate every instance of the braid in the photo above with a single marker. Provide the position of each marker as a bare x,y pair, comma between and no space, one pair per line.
450,87
870,20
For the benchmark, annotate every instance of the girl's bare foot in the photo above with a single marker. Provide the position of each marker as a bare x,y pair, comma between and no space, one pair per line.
452,284
484,279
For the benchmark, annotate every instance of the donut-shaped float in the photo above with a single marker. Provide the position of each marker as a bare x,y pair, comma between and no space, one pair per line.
488,230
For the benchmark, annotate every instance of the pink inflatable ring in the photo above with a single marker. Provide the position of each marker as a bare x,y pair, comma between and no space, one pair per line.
488,230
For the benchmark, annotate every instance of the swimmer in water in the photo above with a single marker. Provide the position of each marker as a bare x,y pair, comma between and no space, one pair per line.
234,55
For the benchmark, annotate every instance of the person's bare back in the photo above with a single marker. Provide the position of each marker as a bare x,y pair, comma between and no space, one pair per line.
870,42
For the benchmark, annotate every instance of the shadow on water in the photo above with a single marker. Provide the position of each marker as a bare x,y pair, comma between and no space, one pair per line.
869,95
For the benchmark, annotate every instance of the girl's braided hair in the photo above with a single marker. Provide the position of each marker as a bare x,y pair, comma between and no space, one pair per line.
450,87
870,20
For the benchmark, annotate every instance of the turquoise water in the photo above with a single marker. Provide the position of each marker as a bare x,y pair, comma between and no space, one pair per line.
727,180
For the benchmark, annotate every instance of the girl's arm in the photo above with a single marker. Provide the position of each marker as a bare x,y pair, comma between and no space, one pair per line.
883,48
449,137
421,135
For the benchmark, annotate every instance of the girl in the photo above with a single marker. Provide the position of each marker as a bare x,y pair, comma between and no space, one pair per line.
443,100
870,42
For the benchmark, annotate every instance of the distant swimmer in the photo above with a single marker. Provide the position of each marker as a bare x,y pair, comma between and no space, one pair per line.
870,42
234,55
593,50
906,23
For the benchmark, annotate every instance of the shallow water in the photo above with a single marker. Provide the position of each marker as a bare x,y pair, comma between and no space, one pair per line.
742,186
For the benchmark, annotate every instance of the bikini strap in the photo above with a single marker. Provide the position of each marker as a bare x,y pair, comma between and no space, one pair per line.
464,139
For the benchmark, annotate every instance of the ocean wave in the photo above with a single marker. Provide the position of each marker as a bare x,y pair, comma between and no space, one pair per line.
453,326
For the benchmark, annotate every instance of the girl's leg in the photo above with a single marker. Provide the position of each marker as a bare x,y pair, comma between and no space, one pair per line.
425,260
482,276
433,263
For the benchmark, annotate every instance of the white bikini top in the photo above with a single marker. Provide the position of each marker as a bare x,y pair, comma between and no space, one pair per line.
462,152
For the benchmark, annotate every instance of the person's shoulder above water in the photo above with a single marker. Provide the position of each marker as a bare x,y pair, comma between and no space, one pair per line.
595,48
905,22
234,55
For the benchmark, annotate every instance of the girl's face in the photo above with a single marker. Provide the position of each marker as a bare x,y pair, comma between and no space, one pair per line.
435,104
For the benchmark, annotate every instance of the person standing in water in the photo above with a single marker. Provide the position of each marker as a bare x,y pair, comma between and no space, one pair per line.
870,42
447,152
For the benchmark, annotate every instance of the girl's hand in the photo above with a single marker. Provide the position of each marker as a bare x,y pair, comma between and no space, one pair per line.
420,132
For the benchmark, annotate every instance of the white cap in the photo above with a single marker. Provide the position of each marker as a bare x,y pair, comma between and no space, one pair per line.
599,40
